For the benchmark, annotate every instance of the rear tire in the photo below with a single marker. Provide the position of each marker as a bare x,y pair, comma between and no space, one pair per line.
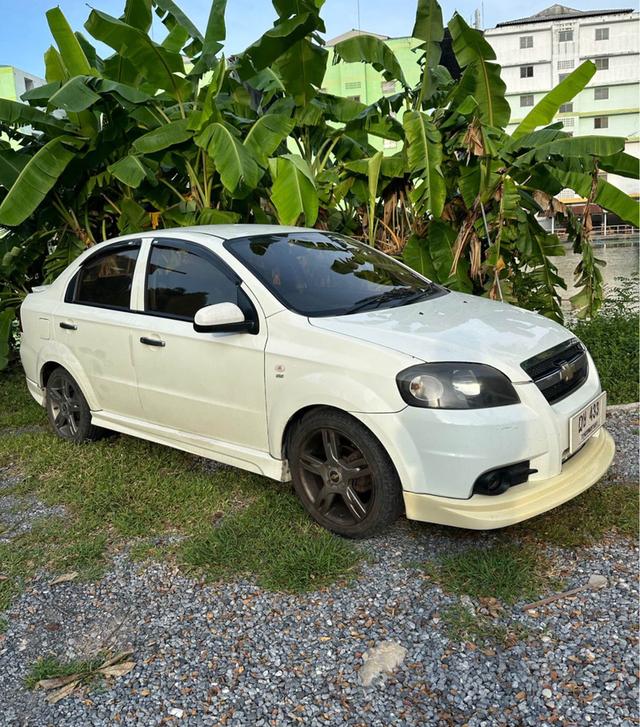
343,475
67,409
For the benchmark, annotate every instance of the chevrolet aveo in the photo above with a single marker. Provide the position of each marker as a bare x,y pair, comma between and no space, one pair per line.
307,356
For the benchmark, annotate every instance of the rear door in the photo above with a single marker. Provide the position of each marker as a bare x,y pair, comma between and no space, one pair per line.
95,322
208,384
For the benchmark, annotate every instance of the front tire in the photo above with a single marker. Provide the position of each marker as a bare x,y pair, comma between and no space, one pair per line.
342,474
67,409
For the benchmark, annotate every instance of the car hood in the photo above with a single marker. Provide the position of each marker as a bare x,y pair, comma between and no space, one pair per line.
455,327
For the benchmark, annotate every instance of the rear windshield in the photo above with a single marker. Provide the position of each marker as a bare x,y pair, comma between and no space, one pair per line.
323,274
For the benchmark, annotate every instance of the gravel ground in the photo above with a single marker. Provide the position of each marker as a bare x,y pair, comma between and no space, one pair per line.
236,654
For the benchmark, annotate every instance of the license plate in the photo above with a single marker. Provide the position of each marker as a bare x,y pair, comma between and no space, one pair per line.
587,421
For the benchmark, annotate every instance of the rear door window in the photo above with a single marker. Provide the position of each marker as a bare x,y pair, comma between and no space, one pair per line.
105,279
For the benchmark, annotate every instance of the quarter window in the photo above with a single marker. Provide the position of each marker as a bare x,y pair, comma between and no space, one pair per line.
601,93
602,33
526,41
180,281
526,71
105,279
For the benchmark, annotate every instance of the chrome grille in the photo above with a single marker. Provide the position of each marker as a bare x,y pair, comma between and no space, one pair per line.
559,371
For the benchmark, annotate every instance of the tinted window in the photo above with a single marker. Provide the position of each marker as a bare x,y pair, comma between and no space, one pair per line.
105,279
180,282
319,273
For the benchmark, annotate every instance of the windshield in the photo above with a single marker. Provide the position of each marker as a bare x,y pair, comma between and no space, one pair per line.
324,274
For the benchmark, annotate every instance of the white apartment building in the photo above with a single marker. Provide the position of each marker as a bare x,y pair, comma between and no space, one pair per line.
537,52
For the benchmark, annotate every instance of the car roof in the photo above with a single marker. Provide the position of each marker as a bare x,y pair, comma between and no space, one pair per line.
224,232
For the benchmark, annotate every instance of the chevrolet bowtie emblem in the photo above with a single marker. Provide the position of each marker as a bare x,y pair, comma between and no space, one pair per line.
567,371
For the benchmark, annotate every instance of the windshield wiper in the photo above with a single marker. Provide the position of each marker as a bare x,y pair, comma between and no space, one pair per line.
407,295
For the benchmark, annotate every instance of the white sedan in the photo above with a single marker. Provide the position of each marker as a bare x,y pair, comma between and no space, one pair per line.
307,356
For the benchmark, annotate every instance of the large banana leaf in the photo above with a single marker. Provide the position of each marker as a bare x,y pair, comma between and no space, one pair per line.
372,50
158,65
266,134
374,165
14,113
11,164
74,96
424,157
294,192
607,196
544,111
301,68
54,67
471,49
73,57
234,162
175,132
622,164
429,28
215,33
432,256
130,171
35,180
274,43
138,14
168,9
571,147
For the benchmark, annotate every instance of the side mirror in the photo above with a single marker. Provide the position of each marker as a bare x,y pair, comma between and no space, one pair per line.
221,318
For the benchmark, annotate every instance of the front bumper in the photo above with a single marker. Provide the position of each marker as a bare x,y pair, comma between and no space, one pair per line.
484,512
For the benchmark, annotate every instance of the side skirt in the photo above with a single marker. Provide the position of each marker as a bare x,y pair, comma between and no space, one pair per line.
252,460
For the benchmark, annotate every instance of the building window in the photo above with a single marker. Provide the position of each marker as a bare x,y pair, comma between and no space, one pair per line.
354,98
388,86
28,84
526,71
601,93
565,36
526,41
601,122
602,64
562,76
602,33
566,108
526,100
352,84
563,65
568,122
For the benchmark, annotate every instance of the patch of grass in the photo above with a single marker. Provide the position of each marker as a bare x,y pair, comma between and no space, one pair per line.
4,625
121,488
17,406
463,625
272,541
50,667
588,517
506,571
613,339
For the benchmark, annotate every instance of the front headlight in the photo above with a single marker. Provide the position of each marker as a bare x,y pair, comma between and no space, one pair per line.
454,385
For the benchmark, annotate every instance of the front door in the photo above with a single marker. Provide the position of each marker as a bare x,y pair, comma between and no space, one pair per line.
208,384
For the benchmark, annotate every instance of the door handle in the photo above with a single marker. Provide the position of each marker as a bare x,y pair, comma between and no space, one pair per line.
151,341
68,326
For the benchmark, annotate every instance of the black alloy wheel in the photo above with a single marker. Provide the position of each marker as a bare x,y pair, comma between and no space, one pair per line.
67,409
342,474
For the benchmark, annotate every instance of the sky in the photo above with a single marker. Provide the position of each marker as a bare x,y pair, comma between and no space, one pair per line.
24,35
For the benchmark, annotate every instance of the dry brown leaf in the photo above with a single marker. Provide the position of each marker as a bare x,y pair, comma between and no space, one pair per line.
64,578
65,691
117,658
57,682
4,578
117,670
